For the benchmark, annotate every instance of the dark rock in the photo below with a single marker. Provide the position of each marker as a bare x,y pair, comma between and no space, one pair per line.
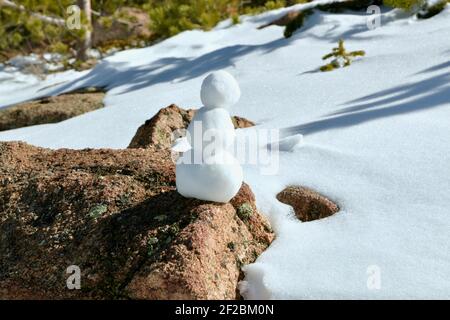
308,204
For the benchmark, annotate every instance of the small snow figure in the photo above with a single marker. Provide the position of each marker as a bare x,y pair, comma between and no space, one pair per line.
209,171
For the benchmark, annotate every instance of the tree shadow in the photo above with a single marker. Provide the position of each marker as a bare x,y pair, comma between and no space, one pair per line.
109,74
413,97
437,67
174,69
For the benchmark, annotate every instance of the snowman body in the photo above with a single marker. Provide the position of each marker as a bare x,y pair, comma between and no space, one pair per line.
211,125
209,171
212,180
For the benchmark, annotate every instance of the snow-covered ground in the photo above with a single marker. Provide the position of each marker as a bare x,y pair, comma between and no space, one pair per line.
376,141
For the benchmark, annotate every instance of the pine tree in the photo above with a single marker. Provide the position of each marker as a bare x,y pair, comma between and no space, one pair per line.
342,58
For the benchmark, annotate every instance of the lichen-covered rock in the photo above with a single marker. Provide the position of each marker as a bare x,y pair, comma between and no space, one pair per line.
158,130
116,215
308,205
205,260
50,109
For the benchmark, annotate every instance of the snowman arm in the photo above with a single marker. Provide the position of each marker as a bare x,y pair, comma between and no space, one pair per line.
181,145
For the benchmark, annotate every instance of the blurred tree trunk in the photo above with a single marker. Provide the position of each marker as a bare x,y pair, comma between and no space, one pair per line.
85,44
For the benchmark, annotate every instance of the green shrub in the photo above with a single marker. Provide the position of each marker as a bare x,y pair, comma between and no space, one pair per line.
173,16
235,18
428,11
22,32
408,5
59,47
271,5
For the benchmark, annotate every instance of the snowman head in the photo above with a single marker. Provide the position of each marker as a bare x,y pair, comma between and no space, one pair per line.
219,90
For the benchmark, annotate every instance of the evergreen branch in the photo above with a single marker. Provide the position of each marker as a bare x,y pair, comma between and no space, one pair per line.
327,56
356,53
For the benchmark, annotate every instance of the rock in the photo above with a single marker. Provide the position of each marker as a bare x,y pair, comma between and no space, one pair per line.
294,19
308,205
205,261
126,23
50,109
158,130
241,123
283,20
116,215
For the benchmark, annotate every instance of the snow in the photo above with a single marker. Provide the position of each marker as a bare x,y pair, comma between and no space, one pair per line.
16,86
375,140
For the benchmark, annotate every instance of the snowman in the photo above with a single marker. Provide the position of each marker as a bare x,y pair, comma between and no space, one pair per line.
209,171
